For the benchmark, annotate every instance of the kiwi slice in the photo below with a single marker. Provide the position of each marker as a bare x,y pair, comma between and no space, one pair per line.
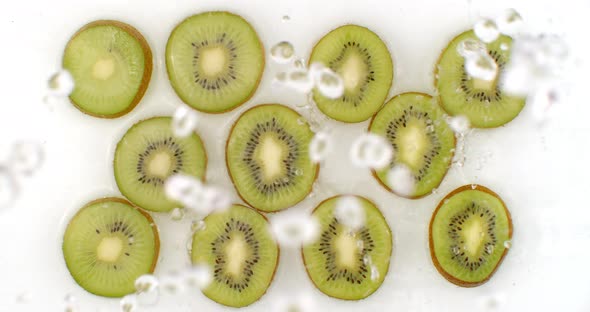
148,154
237,245
422,140
467,234
481,101
111,64
108,244
268,159
363,61
344,263
215,61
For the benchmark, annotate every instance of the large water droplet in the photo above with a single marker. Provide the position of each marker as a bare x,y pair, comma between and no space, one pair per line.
184,121
371,151
282,52
294,229
320,146
129,303
349,211
401,180
299,80
509,22
469,47
508,244
486,30
146,283
481,66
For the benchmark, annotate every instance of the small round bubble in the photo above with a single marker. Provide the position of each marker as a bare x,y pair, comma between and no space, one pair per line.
198,226
486,30
374,273
184,121
129,303
146,283
508,244
299,80
320,146
282,52
509,22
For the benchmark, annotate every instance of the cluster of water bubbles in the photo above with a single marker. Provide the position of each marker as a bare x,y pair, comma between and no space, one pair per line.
184,121
24,160
195,196
461,126
294,229
371,151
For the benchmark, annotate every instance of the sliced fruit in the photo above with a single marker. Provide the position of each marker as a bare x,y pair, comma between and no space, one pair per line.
344,263
148,154
108,244
363,61
241,252
215,61
111,64
268,159
468,234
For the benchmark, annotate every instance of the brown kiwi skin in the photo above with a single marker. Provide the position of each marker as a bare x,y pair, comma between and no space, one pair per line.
388,229
257,80
143,212
392,72
374,173
147,71
316,173
435,75
276,264
437,265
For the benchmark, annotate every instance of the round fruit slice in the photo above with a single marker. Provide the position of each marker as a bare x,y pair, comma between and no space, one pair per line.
422,141
148,154
215,61
344,263
481,101
242,253
111,64
268,159
468,233
108,244
363,61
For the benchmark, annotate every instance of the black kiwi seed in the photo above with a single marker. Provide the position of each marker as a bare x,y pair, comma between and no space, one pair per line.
174,149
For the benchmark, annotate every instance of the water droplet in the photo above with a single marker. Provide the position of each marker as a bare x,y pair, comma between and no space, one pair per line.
146,283
456,250
469,47
282,52
503,47
61,84
473,187
350,212
177,214
171,283
24,297
401,180
490,249
486,30
328,83
8,188
286,18
510,22
71,303
182,187
298,172
198,276
198,226
508,244
26,157
294,229
299,80
299,63
129,303
320,146
184,121
360,244
481,66
374,273
371,151
460,124
367,259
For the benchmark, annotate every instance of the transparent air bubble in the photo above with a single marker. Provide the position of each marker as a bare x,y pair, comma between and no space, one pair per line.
146,283
320,146
509,22
486,30
371,151
294,229
299,80
481,66
469,47
182,188
367,259
177,214
360,244
460,124
172,283
401,180
8,188
329,83
299,63
26,157
350,212
184,121
508,244
198,226
71,303
61,84
282,52
129,303
374,273
198,276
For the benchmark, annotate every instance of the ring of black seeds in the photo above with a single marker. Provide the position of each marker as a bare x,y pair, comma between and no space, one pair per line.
222,79
483,95
117,226
172,147
335,64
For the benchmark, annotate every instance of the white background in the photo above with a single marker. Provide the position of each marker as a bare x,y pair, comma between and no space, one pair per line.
540,170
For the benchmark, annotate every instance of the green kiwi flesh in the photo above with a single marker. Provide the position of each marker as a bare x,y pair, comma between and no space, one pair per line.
337,263
242,253
111,64
108,244
482,102
268,159
414,125
467,235
148,154
215,61
363,61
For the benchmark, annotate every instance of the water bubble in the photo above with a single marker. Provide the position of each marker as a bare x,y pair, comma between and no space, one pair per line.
401,180
507,244
460,124
198,276
360,245
299,172
320,146
350,212
281,77
282,52
146,283
198,226
26,157
367,259
216,199
456,250
24,297
504,47
171,283
71,303
294,229
469,47
299,63
473,186
486,30
371,151
374,273
194,195
490,249
481,66
177,214
129,303
184,121
328,83
8,188
509,22
299,80
61,84
181,186
285,18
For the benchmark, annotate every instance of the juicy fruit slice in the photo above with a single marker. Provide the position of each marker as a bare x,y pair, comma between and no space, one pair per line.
108,244
111,64
242,253
467,234
215,61
268,159
423,142
483,102
363,61
148,154
344,263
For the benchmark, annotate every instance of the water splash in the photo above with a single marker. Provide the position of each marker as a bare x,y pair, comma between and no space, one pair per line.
26,158
184,121
478,63
371,151
294,229
401,180
486,30
320,146
350,212
282,52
